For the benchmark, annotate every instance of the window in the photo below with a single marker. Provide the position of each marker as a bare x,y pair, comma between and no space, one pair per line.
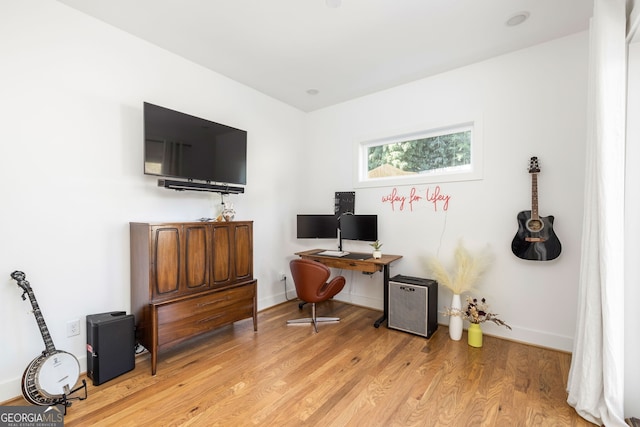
451,153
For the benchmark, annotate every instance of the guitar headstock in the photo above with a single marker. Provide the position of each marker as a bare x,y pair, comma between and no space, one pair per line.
20,277
534,167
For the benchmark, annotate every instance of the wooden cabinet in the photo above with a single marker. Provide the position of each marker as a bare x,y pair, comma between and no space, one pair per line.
189,278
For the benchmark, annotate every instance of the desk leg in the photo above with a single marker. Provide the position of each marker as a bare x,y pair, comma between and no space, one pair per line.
385,287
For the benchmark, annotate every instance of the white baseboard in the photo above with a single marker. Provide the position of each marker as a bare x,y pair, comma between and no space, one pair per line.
526,336
359,300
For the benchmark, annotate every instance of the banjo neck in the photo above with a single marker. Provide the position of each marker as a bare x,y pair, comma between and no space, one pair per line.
44,331
20,277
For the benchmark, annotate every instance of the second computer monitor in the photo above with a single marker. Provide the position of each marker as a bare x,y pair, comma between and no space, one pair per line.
317,226
359,227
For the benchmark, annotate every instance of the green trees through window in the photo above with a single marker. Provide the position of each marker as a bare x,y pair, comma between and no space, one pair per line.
445,151
423,155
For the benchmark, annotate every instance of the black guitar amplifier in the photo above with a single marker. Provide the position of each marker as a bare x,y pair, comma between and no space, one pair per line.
413,305
110,345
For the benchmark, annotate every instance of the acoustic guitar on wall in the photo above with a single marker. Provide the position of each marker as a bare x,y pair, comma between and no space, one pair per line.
535,239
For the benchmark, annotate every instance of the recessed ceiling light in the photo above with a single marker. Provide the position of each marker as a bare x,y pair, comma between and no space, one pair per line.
313,91
517,19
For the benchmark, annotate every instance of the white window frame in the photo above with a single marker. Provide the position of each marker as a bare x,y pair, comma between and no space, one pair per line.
473,172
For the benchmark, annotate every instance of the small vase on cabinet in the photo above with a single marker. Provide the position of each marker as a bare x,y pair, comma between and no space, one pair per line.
228,213
455,320
475,335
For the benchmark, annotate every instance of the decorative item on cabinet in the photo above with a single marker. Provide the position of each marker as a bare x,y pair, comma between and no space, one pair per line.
189,278
228,213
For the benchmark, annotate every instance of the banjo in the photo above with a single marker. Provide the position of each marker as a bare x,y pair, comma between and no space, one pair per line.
50,377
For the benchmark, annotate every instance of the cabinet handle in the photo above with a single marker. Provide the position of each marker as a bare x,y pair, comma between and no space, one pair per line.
209,319
204,304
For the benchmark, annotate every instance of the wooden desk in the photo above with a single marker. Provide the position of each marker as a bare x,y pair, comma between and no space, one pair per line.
368,265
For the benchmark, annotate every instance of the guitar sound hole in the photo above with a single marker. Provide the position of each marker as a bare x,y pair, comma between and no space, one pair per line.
534,225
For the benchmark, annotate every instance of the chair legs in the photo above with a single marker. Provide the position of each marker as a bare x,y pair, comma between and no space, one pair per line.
314,319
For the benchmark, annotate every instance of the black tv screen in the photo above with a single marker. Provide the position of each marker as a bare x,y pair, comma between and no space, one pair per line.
183,146
317,227
359,227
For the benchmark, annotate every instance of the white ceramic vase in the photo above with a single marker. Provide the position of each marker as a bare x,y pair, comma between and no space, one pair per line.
455,321
228,213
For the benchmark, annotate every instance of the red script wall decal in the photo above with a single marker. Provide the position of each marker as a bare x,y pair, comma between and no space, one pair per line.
435,196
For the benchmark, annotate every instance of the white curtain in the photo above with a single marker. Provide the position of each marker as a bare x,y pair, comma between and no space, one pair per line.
596,377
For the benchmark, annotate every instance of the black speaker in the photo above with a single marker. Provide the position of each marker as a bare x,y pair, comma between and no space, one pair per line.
413,305
110,345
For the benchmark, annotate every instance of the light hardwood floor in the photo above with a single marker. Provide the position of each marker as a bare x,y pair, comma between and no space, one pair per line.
349,374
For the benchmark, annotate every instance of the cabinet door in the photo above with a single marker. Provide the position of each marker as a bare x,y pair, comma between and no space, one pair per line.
165,260
243,251
196,257
221,238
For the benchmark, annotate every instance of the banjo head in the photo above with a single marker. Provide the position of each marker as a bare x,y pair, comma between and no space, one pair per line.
57,374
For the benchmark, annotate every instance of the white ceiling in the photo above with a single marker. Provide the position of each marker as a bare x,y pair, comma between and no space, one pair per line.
285,47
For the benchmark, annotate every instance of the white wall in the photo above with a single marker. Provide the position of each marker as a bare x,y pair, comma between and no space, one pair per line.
532,102
71,177
72,91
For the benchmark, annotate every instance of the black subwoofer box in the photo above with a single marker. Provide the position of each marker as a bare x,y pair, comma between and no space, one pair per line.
110,345
413,305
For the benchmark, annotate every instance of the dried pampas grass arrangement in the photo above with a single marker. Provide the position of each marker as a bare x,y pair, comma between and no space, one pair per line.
467,270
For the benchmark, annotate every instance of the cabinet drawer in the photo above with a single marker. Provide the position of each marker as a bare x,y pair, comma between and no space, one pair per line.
211,302
183,319
173,333
347,264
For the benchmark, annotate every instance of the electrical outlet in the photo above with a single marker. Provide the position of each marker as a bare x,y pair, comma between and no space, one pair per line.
73,328
282,277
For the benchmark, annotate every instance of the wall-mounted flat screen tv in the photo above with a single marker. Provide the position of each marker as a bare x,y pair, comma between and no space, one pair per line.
316,227
183,146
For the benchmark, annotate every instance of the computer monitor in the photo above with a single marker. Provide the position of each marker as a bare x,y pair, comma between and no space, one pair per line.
317,227
359,227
